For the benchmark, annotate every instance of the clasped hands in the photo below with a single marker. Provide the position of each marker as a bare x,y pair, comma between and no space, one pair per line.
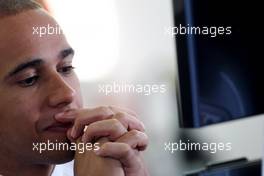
121,137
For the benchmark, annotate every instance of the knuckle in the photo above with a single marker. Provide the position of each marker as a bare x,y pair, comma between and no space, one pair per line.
145,137
134,114
77,122
135,133
115,123
85,134
142,125
90,127
120,115
105,110
105,146
126,150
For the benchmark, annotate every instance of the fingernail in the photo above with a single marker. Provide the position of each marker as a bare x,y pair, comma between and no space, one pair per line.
70,112
63,114
97,152
73,132
143,125
59,115
82,139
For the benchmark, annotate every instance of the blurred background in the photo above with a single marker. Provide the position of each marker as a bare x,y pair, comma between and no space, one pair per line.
126,41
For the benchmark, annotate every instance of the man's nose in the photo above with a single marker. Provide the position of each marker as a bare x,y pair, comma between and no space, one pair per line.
61,93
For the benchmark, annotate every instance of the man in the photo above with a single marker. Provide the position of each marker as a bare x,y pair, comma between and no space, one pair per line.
41,102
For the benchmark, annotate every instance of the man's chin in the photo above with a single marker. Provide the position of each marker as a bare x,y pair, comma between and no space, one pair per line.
55,149
56,157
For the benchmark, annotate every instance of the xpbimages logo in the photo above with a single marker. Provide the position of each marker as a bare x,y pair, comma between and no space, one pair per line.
211,31
142,89
188,145
63,146
41,31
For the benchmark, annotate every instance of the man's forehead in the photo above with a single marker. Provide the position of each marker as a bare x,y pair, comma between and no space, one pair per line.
18,41
14,26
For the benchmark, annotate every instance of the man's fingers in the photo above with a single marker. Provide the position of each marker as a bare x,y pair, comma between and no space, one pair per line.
117,109
69,135
110,128
129,121
68,116
87,117
132,121
84,117
126,148
135,139
122,152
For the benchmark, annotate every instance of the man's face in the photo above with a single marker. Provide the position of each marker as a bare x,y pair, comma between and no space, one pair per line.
36,82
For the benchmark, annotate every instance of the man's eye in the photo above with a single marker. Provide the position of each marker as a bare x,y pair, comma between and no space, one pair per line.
29,81
66,70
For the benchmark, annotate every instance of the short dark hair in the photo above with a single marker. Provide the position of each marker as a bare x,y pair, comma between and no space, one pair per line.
13,7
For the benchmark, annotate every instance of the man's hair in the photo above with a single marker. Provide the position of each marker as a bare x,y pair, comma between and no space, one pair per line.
13,7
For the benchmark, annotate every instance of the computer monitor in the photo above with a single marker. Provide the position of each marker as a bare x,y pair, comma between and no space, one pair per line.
231,169
219,60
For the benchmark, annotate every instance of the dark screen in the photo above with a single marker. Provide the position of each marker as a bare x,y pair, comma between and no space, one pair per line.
248,169
220,75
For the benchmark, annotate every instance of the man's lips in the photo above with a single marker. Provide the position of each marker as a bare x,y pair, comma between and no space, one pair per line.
49,123
59,127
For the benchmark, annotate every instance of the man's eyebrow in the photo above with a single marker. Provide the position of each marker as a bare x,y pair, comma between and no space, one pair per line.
37,61
25,65
65,53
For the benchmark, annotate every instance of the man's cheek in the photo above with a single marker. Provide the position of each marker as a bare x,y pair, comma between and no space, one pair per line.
24,120
17,136
75,84
78,99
